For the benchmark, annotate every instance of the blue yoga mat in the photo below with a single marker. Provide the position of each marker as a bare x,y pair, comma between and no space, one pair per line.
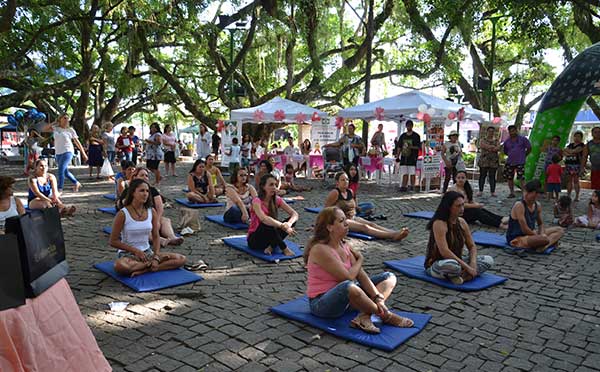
109,210
150,281
313,209
219,219
357,235
389,338
413,268
112,197
489,239
240,243
598,238
289,201
189,204
425,215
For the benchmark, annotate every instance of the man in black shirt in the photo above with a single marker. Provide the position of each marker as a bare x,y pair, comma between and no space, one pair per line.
408,151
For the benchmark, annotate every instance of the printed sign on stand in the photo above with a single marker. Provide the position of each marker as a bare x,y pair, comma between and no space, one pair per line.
323,132
231,129
431,168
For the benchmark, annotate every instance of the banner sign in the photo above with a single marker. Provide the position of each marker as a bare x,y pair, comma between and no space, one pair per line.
323,132
431,165
232,129
434,132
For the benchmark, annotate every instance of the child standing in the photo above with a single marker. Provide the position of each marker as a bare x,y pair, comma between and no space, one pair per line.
234,156
563,213
592,219
573,163
553,177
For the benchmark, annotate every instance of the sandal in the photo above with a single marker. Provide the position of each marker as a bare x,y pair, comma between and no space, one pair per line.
365,325
198,266
397,320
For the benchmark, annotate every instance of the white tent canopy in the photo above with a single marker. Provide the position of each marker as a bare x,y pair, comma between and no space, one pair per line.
406,105
292,110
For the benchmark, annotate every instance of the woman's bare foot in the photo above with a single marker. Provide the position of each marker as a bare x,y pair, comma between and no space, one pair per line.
401,234
178,240
288,252
268,251
77,187
503,226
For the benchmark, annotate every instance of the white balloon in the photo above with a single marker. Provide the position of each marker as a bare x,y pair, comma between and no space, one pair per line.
422,107
431,111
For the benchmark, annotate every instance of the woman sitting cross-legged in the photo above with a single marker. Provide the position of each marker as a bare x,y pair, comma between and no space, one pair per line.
475,211
343,198
200,184
337,281
449,233
43,191
131,228
266,232
166,231
523,218
239,197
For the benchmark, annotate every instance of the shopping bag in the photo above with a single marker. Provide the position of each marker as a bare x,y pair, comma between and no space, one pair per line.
41,248
106,170
12,290
189,218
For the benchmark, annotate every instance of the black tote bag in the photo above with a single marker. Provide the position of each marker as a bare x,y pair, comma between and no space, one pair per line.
12,291
41,248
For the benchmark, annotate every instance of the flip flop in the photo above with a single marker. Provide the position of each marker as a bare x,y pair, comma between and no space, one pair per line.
198,266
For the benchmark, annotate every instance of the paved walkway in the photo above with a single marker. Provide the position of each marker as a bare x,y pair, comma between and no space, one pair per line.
546,317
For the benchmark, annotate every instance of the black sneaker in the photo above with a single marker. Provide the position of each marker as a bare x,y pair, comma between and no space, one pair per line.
403,189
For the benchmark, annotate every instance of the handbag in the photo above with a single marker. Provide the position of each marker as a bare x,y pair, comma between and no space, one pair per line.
106,170
41,248
12,290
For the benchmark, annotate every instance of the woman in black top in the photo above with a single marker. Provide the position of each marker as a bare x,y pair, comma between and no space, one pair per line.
200,185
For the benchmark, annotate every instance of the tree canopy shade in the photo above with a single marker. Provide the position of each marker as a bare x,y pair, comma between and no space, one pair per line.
113,59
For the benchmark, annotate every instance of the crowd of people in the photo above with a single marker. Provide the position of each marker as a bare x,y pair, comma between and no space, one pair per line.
336,278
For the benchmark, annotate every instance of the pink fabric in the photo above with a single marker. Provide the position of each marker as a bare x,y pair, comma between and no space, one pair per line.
254,220
279,165
48,333
316,161
376,164
319,280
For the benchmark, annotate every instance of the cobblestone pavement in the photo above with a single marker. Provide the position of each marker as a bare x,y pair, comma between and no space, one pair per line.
545,317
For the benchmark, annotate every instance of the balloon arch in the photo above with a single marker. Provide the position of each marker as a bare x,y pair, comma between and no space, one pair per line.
560,105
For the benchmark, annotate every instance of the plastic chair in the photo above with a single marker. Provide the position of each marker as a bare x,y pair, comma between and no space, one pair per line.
332,158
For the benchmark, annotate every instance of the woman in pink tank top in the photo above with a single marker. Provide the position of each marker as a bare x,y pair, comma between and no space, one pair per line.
336,279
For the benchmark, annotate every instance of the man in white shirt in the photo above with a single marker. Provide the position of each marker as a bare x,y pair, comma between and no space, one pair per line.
290,150
203,145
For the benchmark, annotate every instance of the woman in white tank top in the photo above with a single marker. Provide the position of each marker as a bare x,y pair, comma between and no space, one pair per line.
131,228
9,205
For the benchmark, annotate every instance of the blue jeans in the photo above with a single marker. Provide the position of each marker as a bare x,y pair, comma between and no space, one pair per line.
128,156
335,302
111,156
63,161
233,215
366,208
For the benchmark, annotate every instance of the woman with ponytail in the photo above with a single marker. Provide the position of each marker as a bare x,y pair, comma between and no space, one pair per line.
475,211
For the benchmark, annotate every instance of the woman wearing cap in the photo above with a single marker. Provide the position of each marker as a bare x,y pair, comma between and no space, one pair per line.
524,216
451,154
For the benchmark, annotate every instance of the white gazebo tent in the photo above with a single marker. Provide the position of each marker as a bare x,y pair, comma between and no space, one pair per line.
406,105
295,113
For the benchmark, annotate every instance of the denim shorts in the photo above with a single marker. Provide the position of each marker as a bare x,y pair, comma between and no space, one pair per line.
335,302
553,187
148,252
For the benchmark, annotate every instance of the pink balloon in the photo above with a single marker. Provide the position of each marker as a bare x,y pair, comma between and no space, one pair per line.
451,115
420,115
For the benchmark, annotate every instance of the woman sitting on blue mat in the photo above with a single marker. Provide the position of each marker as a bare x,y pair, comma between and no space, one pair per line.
200,184
166,231
266,232
362,209
122,178
449,233
215,175
475,211
343,198
43,191
239,197
131,228
523,218
337,281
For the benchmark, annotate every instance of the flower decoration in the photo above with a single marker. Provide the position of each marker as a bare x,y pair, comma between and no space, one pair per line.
451,115
220,125
426,118
259,115
300,117
315,117
420,115
379,113
339,122
279,115
497,120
